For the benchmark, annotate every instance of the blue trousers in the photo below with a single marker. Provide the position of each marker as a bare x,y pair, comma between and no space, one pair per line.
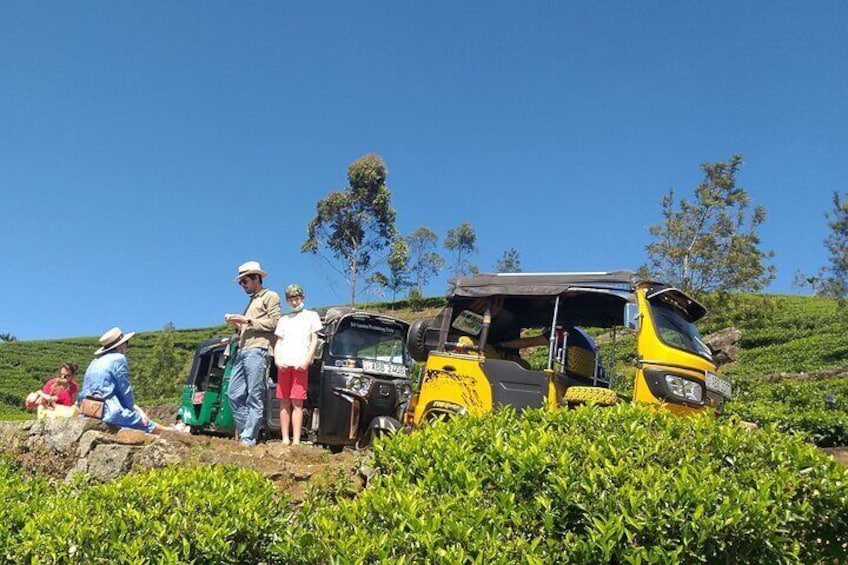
115,413
246,392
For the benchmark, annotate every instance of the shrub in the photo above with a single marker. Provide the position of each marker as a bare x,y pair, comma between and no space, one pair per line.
208,514
415,300
800,405
19,496
620,485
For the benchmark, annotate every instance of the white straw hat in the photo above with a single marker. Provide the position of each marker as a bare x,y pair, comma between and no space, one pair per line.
250,268
112,339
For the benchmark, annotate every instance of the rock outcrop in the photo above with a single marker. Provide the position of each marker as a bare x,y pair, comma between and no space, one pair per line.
723,345
76,448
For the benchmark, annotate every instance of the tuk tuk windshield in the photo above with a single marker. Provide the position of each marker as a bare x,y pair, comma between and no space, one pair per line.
676,332
369,339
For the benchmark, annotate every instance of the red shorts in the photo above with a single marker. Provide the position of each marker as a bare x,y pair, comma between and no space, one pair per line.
292,383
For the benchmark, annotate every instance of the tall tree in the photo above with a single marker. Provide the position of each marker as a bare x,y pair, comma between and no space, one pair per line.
355,224
711,243
424,262
509,262
836,281
462,241
396,278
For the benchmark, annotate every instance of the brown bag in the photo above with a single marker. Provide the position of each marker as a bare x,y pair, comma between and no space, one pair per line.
92,407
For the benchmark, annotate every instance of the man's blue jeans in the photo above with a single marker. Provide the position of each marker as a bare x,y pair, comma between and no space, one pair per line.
247,392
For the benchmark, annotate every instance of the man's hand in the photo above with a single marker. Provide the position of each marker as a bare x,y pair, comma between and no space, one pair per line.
235,320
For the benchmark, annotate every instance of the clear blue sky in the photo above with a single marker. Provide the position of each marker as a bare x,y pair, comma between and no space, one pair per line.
148,148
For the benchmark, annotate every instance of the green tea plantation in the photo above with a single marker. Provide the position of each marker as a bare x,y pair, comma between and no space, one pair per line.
591,485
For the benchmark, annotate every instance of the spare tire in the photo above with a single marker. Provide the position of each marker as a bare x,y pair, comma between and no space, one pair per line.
590,395
416,339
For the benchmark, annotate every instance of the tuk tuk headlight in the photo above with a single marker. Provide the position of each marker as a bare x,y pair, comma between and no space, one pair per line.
685,389
404,390
360,385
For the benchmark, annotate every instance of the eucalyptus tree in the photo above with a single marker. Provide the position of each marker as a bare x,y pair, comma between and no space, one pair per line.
462,241
509,262
836,273
711,243
396,278
424,261
353,226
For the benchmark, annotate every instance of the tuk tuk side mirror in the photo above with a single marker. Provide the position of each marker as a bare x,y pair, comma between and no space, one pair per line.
631,316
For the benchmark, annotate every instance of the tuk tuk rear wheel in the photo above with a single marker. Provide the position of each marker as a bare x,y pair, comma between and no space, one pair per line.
576,395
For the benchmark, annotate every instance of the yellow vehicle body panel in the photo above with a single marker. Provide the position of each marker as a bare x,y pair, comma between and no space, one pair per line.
457,382
452,380
653,353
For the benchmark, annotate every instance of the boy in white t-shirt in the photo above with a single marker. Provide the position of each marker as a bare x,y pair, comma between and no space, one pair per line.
297,339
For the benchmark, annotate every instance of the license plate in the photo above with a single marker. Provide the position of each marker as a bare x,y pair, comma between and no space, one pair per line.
719,385
383,368
198,397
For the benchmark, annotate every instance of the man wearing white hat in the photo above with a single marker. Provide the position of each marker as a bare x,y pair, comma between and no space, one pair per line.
108,379
256,334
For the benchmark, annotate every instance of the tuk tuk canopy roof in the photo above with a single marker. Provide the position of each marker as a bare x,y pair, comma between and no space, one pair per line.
588,299
541,284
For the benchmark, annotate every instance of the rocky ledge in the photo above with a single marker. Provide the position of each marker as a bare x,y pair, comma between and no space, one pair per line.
87,449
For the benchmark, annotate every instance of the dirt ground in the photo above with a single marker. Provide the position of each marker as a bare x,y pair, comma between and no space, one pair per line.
293,468
839,454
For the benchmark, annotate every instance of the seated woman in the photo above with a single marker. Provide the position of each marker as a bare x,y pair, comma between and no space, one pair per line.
57,396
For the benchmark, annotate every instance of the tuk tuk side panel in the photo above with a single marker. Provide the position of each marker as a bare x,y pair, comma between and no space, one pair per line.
650,347
456,380
513,385
187,414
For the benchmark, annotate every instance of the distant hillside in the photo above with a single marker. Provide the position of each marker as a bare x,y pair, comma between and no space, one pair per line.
26,365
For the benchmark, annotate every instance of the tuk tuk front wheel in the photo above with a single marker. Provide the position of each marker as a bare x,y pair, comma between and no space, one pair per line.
577,395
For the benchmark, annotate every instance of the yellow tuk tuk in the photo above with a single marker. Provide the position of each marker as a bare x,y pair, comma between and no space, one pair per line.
471,348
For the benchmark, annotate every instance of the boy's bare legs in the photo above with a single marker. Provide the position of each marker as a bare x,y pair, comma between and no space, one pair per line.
297,420
286,419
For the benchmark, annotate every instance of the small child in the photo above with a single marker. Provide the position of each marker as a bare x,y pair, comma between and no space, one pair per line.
60,390
56,391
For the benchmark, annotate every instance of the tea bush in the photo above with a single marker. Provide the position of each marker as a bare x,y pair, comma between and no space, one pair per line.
816,408
615,485
19,495
204,514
